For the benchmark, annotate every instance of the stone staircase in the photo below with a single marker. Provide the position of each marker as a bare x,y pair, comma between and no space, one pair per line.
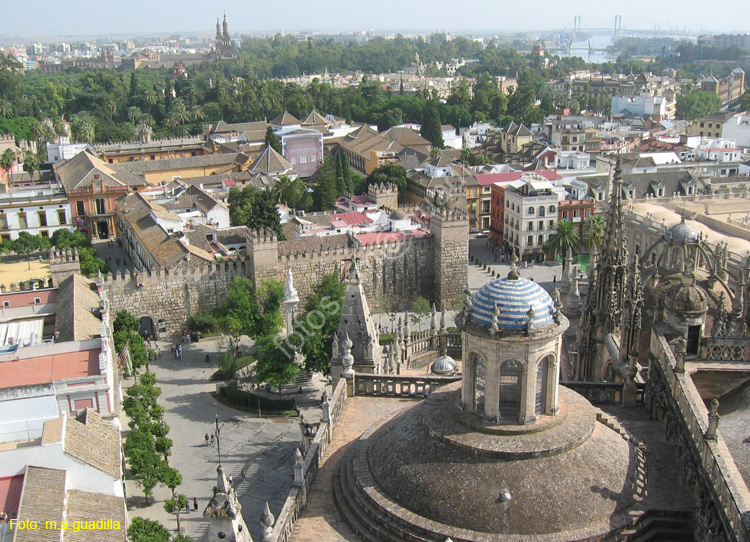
361,513
656,526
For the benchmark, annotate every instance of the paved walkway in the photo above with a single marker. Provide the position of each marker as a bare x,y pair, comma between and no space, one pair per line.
321,521
263,447
116,257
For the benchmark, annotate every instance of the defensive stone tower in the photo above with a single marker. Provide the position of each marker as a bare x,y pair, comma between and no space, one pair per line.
384,195
450,229
264,253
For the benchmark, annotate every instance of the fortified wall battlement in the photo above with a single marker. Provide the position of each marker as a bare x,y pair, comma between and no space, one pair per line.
434,267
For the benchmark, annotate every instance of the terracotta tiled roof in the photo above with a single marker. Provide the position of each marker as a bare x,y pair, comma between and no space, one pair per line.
315,119
93,442
313,243
285,119
74,319
406,137
271,162
80,172
42,500
216,161
86,506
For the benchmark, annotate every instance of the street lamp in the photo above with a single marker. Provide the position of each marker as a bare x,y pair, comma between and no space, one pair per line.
393,319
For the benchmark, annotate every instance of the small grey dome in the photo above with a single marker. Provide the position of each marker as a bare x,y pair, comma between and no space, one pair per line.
681,233
444,365
398,215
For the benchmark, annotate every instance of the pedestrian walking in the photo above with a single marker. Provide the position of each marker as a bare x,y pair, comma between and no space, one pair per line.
242,473
195,503
554,280
207,439
231,483
212,439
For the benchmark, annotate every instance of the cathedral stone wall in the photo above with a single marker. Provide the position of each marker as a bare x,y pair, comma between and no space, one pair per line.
434,267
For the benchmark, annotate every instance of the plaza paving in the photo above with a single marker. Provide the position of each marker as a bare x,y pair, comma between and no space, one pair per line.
263,447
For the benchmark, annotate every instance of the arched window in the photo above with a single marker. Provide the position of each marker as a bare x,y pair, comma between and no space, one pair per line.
530,211
541,387
510,390
480,375
551,209
541,211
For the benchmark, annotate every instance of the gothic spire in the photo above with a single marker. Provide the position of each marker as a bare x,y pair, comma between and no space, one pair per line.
613,246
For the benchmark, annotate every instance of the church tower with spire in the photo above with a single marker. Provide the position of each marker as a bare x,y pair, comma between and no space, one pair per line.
223,42
224,512
601,320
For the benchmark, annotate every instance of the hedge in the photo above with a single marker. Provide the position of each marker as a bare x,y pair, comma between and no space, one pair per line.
233,395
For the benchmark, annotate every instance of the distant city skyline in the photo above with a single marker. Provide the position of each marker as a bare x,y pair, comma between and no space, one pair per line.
36,18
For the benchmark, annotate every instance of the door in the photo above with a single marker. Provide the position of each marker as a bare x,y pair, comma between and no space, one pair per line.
693,340
102,230
510,390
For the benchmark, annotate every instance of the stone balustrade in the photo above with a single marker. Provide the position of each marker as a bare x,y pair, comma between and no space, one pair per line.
605,392
296,501
399,386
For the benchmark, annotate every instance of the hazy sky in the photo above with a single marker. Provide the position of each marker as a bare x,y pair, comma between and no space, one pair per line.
104,17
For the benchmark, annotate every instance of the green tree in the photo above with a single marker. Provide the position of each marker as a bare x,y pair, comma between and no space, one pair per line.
26,243
421,309
250,311
564,239
7,161
83,126
389,173
275,365
431,125
175,505
317,324
255,208
146,530
325,190
745,101
272,140
697,104
125,320
593,229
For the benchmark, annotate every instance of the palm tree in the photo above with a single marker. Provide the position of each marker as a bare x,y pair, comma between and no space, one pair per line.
593,228
30,165
84,126
7,160
6,109
134,113
179,115
564,239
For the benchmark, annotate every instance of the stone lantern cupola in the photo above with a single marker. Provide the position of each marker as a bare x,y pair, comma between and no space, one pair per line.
512,336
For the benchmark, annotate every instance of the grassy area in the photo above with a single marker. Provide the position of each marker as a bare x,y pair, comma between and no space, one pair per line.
580,260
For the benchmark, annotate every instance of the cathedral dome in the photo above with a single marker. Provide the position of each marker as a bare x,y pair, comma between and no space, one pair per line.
681,233
398,215
514,297
686,298
444,365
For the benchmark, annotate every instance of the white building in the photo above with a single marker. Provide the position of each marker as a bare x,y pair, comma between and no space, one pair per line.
738,129
530,215
657,107
451,139
65,150
718,150
37,212
572,160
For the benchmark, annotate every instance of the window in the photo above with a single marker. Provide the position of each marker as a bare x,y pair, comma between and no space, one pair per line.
42,218
6,304
5,237
303,159
153,157
3,222
44,233
313,158
565,214
530,226
541,240
530,211
690,190
529,240
100,207
703,125
293,160
551,209
586,212
660,192
541,211
79,208
22,221
37,300
541,224
576,213
551,224
600,196
111,161
61,218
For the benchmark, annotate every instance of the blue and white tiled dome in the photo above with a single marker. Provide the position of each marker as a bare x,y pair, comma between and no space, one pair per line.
513,298
681,233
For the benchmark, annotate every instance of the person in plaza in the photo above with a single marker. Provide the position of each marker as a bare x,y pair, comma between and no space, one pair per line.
212,439
554,280
195,503
207,439
242,473
231,482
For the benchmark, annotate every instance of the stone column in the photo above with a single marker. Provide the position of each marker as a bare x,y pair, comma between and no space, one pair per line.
567,273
